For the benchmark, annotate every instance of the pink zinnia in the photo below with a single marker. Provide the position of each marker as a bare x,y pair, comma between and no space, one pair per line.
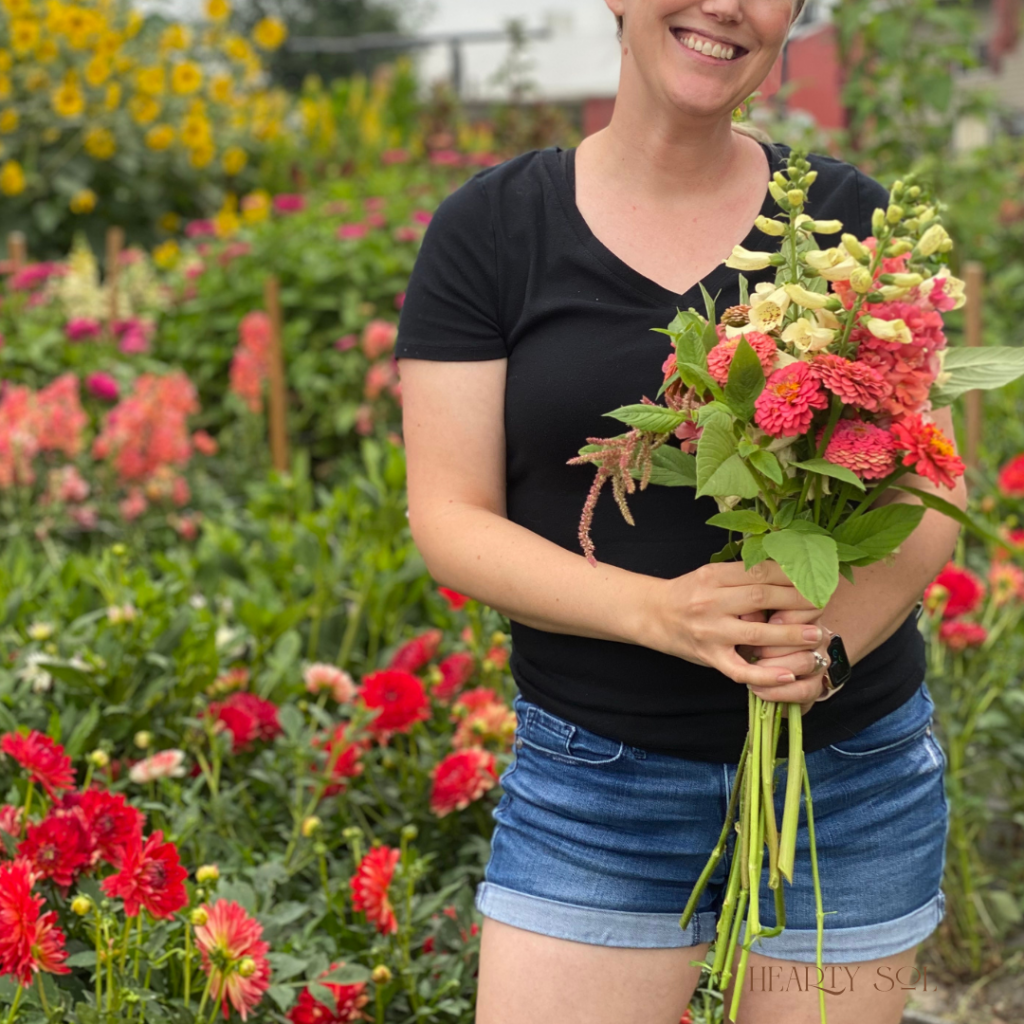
352,232
856,383
786,406
103,387
1011,478
862,447
229,937
83,329
289,203
720,357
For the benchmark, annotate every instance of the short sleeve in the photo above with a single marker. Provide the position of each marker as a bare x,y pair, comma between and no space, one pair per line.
870,196
450,310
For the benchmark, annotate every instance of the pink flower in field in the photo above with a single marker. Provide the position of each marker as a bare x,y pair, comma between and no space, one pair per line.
338,682
83,329
856,383
378,377
786,406
378,337
376,220
133,506
364,420
958,636
374,204
10,820
167,764
204,443
394,156
66,485
399,300
34,275
445,158
346,342
250,365
289,203
862,447
483,159
134,335
233,251
1007,583
406,234
720,357
234,956
422,216
85,516
103,387
200,229
352,232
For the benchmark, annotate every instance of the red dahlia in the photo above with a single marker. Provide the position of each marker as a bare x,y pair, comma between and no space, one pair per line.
370,888
343,758
248,718
349,1001
399,698
414,654
151,876
456,670
44,760
29,942
958,636
928,450
457,601
111,822
460,779
229,937
58,848
966,591
1011,478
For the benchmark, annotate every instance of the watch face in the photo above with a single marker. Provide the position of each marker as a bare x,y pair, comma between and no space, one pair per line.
841,669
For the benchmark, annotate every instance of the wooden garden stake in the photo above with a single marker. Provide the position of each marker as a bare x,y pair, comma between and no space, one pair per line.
115,243
974,278
17,251
277,403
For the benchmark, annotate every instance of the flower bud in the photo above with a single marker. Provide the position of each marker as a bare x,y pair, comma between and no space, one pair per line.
781,180
199,917
310,826
947,246
796,196
770,227
987,504
802,297
778,193
351,833
878,222
853,245
827,227
246,967
207,873
143,739
320,848
410,832
894,214
119,550
81,905
381,975
932,240
914,191
98,758
744,259
899,247
40,631
810,178
897,188
497,637
861,281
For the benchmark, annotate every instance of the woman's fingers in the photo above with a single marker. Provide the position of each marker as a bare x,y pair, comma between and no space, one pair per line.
787,616
759,596
764,635
739,670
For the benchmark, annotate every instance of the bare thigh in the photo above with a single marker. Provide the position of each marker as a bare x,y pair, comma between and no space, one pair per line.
786,992
526,977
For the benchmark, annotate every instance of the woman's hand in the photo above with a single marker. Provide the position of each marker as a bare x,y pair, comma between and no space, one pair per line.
705,615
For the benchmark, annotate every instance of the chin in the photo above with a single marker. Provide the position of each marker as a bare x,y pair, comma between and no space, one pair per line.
702,99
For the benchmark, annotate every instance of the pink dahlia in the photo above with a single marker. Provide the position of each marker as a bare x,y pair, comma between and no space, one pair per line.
862,447
234,956
928,450
1011,478
336,681
720,357
786,406
856,383
461,778
958,636
83,329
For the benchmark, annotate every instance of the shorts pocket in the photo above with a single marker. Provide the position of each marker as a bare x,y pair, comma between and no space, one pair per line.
562,741
892,732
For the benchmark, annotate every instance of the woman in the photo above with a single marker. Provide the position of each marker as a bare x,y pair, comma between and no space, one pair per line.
528,317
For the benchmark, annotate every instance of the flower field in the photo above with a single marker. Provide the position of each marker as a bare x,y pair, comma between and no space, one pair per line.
248,748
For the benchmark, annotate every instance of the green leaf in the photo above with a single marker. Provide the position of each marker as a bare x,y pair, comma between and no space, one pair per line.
766,463
655,418
746,448
709,337
671,467
709,304
83,730
808,559
849,553
785,515
847,572
86,958
286,966
727,554
808,526
753,552
744,291
350,974
694,376
291,720
741,521
984,369
825,468
720,471
731,478
881,531
746,381
947,508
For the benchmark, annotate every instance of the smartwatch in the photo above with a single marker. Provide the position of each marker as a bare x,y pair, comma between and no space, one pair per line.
838,674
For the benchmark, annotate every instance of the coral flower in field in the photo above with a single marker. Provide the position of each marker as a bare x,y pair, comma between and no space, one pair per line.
456,601
1011,478
228,939
378,337
370,888
57,848
167,764
336,681
150,876
786,406
112,824
855,383
958,636
455,671
29,942
414,654
862,447
250,365
398,697
460,779
44,760
928,450
1007,583
965,590
248,718
349,1001
720,357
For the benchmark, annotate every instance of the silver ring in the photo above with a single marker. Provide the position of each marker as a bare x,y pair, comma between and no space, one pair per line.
820,662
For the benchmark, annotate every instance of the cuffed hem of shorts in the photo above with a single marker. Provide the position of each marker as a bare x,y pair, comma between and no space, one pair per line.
590,925
853,945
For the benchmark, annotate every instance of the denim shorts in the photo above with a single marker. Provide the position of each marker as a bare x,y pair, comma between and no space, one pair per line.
600,842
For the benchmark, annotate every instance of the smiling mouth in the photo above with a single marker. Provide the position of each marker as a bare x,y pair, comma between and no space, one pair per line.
708,47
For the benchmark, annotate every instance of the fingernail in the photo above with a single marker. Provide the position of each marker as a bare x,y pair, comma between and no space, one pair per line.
813,633
777,619
787,677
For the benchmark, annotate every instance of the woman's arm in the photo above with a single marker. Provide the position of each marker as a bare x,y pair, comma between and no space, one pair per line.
453,420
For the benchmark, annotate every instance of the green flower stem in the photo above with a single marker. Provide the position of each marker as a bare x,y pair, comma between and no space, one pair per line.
724,930
765,488
819,913
42,994
753,921
720,846
791,811
138,945
876,492
768,715
110,968
841,501
99,964
206,995
352,626
14,1006
28,806
734,934
125,939
756,845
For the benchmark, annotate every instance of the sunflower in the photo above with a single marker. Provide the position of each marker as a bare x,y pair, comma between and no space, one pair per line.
195,132
24,35
97,71
160,137
83,201
221,87
233,161
67,99
202,156
47,51
100,143
151,80
112,96
186,78
144,109
9,121
12,178
175,37
269,33
218,10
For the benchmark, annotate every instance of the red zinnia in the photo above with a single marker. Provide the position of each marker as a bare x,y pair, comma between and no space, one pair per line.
460,779
29,943
928,450
370,888
456,601
45,761
398,696
349,1001
786,406
248,718
456,670
855,383
150,876
58,848
230,936
862,447
417,652
966,591
1011,478
958,636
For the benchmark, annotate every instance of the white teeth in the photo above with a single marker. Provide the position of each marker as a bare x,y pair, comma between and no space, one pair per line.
690,42
708,50
716,50
719,50
729,51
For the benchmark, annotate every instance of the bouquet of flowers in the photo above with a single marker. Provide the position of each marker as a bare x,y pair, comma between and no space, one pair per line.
797,410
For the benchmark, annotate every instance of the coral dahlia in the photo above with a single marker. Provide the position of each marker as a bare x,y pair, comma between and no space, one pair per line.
862,447
29,942
461,778
1011,478
786,406
856,383
928,450
167,764
370,888
229,937
720,357
150,876
44,760
349,1001
398,697
962,589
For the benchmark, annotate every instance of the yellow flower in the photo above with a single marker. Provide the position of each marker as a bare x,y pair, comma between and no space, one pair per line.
256,206
135,23
68,99
269,33
5,60
108,44
202,156
97,71
12,178
166,254
5,87
186,78
47,51
24,35
195,132
160,137
226,223
9,121
805,336
83,201
744,259
100,143
175,37
221,87
151,80
233,161
50,135
112,96
889,330
144,109
237,48
169,221
218,10
36,79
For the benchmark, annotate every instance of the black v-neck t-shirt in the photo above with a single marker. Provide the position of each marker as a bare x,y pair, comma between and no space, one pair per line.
510,270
